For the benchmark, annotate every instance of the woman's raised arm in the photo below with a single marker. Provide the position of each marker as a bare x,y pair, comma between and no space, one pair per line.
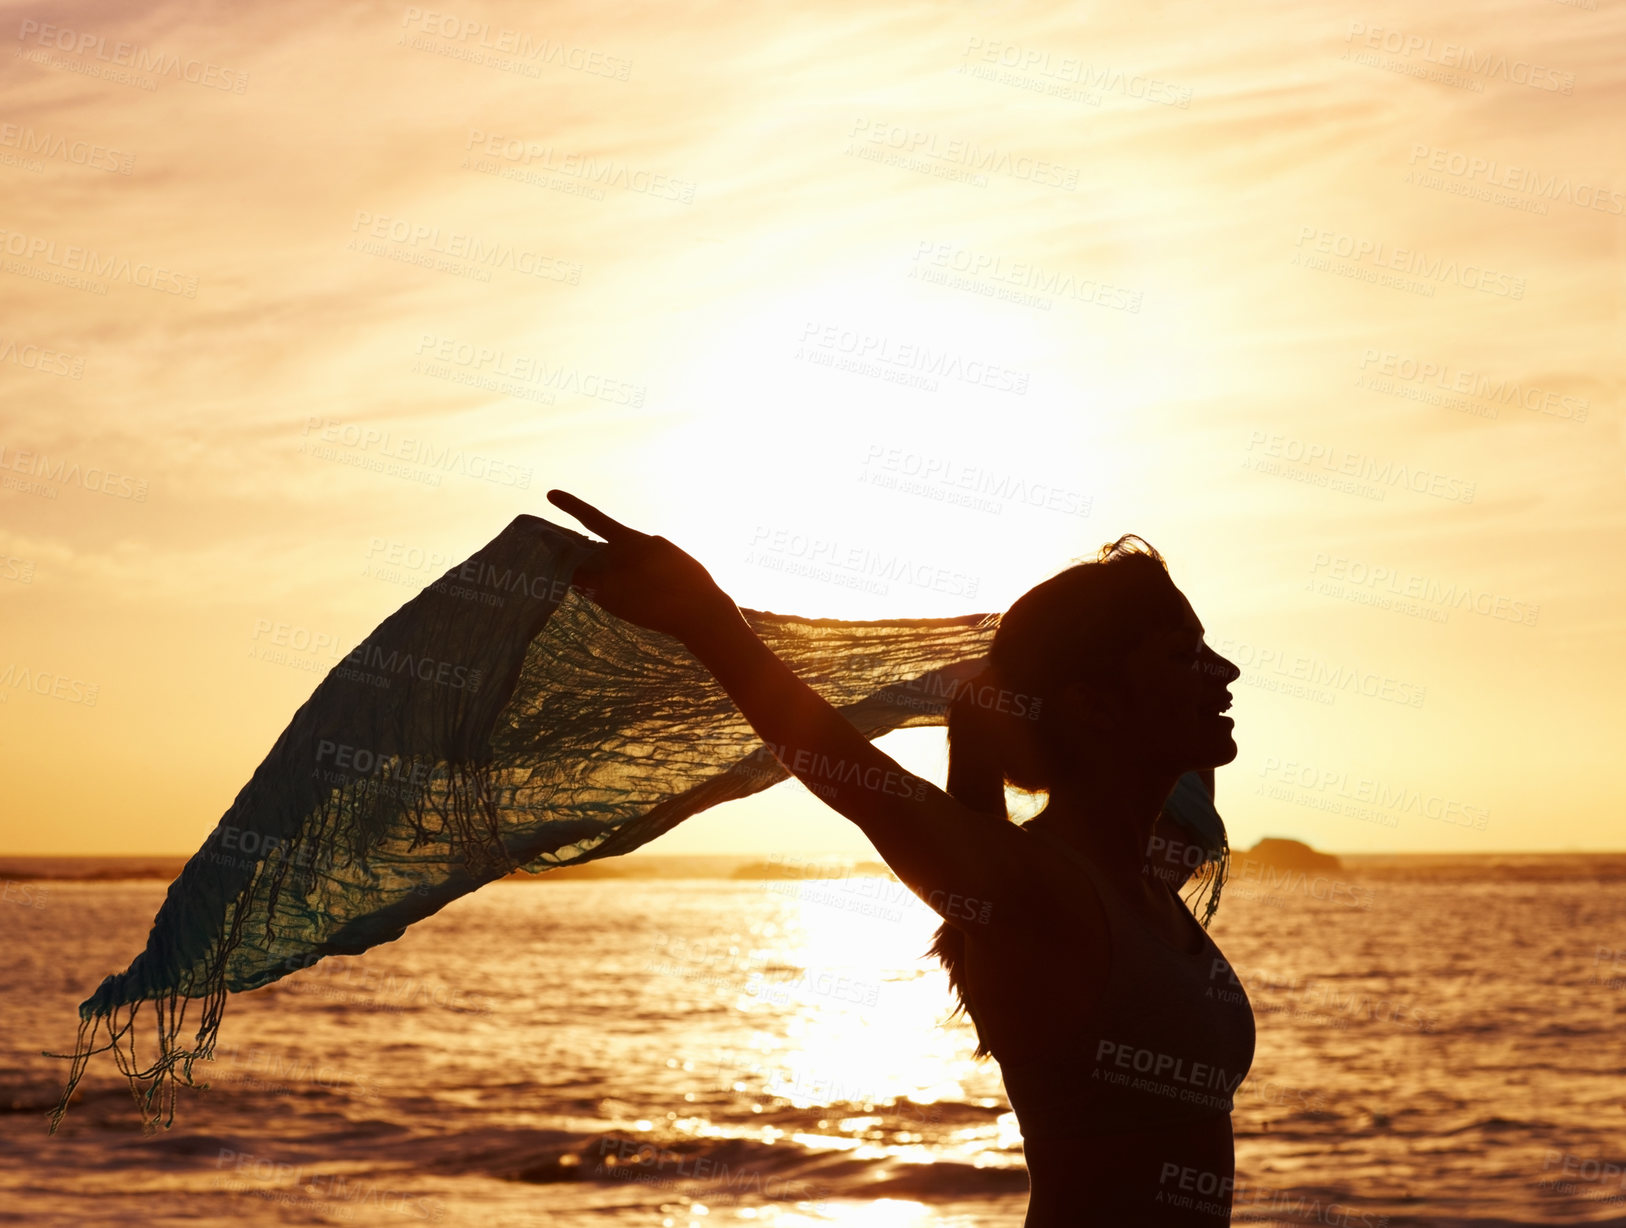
968,867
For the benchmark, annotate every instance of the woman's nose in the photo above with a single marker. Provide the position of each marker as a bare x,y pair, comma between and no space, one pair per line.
1222,667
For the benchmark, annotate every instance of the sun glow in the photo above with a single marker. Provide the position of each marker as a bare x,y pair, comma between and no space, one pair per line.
857,408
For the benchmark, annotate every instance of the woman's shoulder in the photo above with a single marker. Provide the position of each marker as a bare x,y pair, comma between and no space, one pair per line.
1062,892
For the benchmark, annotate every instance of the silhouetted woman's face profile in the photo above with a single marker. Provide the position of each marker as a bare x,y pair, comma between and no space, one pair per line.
1163,703
1115,654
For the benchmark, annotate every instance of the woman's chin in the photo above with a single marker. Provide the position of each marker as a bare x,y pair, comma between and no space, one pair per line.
1222,744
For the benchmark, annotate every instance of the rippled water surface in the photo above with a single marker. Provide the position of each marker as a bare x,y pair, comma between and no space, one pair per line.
1437,1050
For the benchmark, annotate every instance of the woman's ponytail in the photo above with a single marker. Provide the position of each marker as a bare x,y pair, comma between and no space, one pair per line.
976,779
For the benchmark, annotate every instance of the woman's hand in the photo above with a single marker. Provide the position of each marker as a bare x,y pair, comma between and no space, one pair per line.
646,580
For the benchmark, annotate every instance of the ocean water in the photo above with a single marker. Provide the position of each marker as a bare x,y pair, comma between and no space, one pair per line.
1437,1046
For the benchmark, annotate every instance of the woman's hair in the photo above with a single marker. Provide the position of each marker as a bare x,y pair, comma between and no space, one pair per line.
1075,626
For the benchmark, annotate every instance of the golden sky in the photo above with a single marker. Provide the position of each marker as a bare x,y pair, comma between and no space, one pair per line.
304,304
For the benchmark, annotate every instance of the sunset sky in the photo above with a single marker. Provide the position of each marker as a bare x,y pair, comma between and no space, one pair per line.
304,305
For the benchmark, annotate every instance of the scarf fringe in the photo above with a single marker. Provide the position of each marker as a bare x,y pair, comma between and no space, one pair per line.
469,825
160,1081
1209,881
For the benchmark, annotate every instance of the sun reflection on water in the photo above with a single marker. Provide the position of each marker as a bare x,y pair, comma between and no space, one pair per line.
853,1018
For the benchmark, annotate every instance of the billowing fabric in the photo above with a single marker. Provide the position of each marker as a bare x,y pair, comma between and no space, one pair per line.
497,721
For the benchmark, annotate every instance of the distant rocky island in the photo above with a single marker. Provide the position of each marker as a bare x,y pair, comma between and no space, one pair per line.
1284,854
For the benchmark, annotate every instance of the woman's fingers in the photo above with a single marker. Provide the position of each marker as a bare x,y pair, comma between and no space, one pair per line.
590,516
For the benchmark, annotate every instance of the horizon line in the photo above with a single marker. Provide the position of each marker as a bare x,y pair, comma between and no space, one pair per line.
1560,852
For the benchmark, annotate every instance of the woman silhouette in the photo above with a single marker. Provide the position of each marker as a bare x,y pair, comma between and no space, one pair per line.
1119,1027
